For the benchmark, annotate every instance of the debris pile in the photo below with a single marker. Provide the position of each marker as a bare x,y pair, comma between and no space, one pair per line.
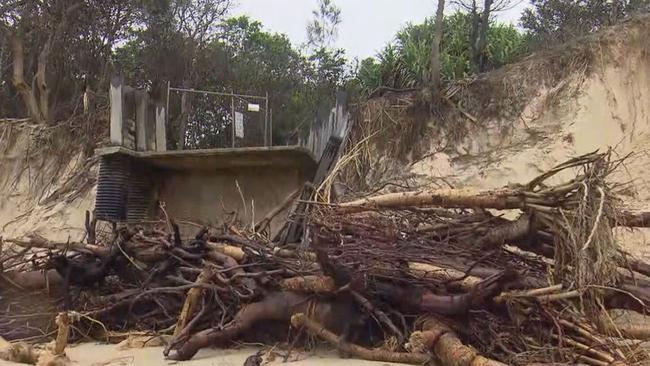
437,277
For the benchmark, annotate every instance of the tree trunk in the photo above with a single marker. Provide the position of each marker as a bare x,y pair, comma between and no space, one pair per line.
435,48
482,36
41,81
18,78
473,36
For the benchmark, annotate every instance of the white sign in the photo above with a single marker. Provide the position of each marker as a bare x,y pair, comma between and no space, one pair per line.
253,107
239,125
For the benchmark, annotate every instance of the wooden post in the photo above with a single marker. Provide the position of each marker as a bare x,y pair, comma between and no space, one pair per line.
142,102
161,133
116,101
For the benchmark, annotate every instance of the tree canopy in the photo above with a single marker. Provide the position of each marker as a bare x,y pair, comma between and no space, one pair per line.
54,51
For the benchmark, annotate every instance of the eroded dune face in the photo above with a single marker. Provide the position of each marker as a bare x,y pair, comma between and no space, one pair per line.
510,125
43,189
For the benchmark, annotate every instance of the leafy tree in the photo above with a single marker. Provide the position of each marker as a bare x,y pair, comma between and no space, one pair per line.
479,27
57,47
63,47
405,63
322,30
556,21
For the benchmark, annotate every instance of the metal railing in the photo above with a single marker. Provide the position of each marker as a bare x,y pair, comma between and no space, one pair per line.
209,119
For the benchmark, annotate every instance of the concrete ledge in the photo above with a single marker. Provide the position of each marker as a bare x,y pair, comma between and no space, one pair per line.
213,159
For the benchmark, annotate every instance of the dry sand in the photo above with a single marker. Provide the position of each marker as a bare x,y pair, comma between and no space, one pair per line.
89,354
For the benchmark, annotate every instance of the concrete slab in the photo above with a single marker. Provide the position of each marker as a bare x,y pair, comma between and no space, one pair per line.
214,159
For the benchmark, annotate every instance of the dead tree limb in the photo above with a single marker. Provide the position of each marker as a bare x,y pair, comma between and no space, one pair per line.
440,339
506,233
450,198
191,300
337,314
423,300
37,241
277,306
300,320
314,284
63,322
266,220
634,219
379,314
429,271
230,250
32,280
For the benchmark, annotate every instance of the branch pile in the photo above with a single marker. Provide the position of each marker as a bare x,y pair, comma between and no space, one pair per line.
438,277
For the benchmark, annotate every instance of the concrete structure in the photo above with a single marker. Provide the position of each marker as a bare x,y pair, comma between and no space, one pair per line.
208,187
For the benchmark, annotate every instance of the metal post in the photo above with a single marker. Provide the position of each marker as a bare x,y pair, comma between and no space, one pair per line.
167,105
232,106
271,128
266,120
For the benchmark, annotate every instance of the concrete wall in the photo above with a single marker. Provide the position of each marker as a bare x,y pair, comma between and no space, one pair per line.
211,197
210,187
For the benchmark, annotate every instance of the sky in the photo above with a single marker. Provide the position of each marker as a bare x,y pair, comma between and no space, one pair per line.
367,25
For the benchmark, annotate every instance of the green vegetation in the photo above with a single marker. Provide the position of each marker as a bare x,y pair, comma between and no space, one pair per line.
405,63
53,51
